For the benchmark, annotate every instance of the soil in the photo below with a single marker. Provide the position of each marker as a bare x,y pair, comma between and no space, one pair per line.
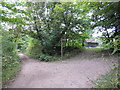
76,72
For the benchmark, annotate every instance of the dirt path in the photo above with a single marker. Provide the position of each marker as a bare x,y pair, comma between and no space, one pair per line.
71,73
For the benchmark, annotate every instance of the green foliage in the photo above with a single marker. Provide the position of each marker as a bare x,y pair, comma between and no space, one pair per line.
48,58
46,24
10,60
34,50
22,43
110,80
116,45
71,53
10,66
34,47
107,16
113,45
76,39
11,14
49,27
44,57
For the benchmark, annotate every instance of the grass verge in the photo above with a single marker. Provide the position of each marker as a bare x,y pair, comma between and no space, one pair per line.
95,48
9,69
110,80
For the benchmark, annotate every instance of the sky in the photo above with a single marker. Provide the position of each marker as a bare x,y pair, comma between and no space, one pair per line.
96,34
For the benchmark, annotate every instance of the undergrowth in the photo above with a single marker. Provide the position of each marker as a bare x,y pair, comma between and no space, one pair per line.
10,66
110,80
10,59
36,50
48,58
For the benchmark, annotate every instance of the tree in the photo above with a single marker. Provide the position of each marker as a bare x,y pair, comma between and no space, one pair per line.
60,18
107,16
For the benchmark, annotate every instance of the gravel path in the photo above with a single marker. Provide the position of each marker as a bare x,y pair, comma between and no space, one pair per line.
76,72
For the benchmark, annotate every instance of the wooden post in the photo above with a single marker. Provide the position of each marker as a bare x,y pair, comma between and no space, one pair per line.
61,49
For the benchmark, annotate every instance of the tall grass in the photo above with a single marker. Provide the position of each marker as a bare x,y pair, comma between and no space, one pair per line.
110,80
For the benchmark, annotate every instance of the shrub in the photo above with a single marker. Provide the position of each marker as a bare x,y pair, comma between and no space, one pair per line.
113,45
44,57
10,60
23,43
34,47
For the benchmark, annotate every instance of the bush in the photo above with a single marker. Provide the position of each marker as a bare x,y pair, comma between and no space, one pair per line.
10,60
44,57
34,47
23,43
113,45
35,50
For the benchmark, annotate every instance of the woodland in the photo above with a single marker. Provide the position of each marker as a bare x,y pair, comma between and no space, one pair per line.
55,30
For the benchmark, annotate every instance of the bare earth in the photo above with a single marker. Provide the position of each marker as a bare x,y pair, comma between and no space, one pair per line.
76,72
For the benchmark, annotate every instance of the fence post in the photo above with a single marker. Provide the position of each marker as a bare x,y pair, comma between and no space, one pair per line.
61,49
